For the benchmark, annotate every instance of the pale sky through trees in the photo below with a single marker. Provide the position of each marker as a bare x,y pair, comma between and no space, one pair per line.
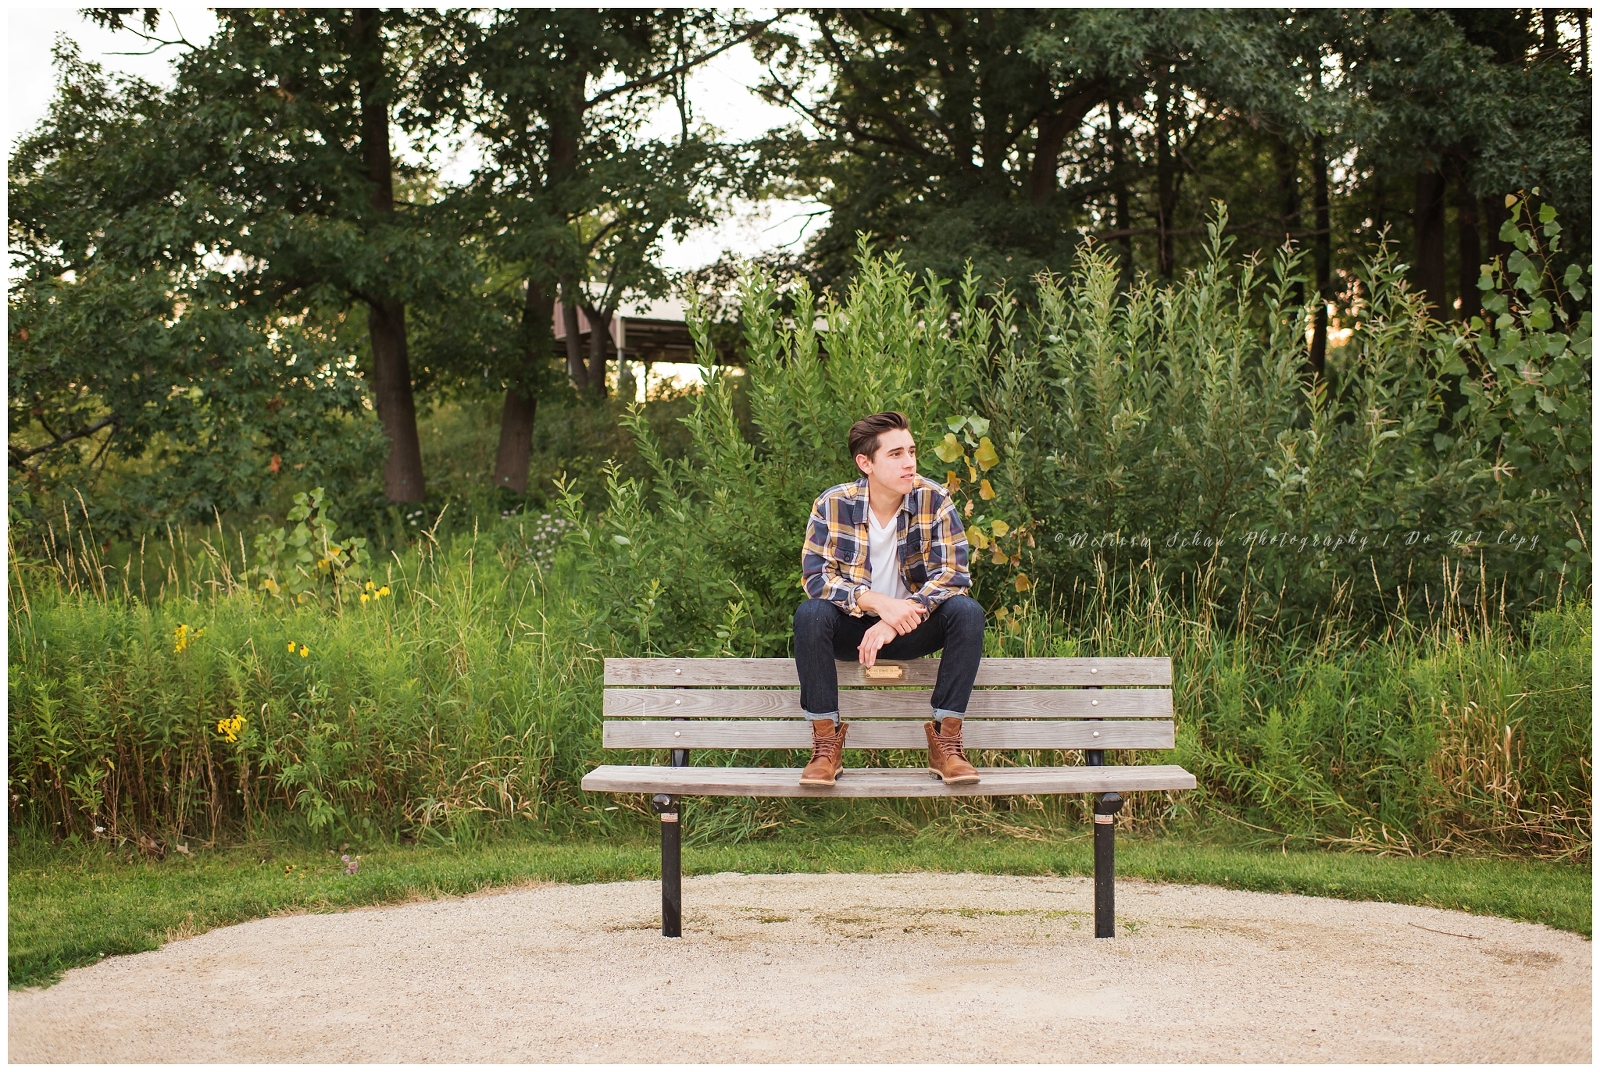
719,93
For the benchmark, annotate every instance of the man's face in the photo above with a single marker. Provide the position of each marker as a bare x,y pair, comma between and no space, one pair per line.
894,464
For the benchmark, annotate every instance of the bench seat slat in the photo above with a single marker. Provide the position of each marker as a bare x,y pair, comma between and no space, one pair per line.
991,672
796,733
882,781
884,703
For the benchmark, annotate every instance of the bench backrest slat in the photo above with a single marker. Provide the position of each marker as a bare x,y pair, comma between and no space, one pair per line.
1044,704
991,672
888,703
795,733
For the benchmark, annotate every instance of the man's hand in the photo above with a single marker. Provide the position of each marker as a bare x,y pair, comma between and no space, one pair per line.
876,637
901,615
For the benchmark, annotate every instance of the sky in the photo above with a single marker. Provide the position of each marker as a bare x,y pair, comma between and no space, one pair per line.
719,93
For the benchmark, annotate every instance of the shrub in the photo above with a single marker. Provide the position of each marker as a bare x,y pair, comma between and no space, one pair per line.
1177,426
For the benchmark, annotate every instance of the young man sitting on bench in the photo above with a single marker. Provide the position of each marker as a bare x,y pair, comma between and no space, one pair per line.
885,565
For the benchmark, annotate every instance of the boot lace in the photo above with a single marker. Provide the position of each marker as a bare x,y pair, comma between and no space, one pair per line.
950,747
827,748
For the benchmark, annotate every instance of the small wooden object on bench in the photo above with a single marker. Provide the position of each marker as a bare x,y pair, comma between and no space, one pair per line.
683,704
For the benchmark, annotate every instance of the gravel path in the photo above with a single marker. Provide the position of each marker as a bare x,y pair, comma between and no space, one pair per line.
853,968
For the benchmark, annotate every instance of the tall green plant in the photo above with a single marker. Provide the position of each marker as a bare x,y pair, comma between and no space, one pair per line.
1527,374
1179,425
730,517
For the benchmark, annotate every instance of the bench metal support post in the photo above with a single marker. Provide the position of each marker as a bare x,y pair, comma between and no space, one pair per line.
1105,864
1106,806
671,866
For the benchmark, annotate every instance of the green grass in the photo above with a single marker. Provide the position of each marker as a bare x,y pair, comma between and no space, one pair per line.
70,907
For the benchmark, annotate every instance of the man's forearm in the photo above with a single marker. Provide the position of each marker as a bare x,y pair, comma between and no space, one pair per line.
874,602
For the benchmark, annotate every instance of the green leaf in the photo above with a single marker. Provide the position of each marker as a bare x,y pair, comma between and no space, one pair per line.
949,450
1547,213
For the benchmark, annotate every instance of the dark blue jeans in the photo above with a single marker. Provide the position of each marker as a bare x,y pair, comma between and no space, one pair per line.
823,633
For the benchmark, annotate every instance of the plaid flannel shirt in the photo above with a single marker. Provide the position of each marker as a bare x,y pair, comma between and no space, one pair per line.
835,564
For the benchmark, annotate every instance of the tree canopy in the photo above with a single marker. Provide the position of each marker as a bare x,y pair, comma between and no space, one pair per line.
261,273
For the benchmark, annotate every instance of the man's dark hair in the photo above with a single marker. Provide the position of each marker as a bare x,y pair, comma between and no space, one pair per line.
865,432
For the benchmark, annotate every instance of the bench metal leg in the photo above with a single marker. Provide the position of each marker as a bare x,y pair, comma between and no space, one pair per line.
1106,807
671,866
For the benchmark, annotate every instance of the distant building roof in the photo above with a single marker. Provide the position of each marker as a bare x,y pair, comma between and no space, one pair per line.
652,338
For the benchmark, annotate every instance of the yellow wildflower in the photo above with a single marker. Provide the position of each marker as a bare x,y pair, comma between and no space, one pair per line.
304,651
370,586
230,728
383,591
291,647
180,638
365,597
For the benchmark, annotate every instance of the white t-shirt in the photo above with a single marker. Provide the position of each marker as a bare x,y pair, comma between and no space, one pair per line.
883,551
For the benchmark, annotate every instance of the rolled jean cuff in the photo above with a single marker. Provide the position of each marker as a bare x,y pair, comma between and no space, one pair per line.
818,718
940,713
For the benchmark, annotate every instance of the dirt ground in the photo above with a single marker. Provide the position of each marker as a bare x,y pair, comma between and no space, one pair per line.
835,968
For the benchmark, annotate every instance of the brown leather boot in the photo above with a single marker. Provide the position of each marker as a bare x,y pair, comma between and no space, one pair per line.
827,749
945,755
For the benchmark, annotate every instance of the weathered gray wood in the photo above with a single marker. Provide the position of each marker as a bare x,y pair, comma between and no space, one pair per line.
991,672
883,782
797,734
888,703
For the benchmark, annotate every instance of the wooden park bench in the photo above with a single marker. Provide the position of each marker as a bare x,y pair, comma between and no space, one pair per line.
1033,704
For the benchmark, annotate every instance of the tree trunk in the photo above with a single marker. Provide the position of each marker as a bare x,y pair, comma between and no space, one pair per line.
576,372
1427,220
1166,186
1322,247
1053,127
522,398
1469,249
1495,215
1288,185
1053,130
1289,198
1380,201
386,319
599,330
1119,187
397,412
